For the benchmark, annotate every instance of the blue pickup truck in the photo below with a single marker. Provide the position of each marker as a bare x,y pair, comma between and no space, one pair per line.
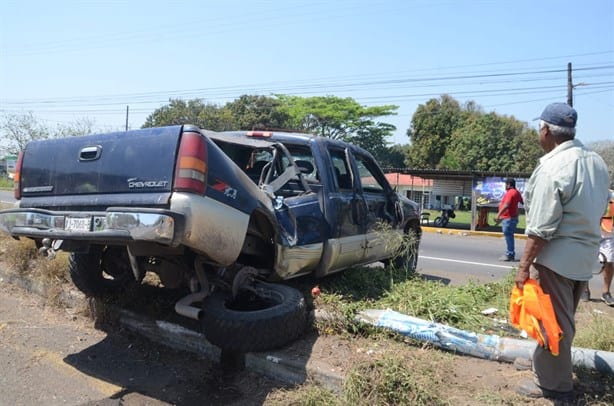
227,216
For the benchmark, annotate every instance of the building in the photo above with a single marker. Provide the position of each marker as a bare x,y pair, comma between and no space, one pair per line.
435,189
414,187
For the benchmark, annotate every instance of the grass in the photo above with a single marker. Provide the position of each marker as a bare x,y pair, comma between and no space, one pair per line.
6,183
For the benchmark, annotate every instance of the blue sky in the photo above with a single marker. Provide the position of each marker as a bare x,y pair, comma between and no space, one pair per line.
65,60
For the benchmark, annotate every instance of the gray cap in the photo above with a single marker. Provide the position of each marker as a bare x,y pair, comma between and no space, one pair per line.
560,114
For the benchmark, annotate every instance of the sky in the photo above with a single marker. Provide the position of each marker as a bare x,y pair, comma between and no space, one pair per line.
66,61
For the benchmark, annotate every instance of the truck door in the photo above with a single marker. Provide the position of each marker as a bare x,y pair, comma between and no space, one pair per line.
347,245
383,214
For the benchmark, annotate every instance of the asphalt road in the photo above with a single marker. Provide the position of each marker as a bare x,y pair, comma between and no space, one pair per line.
458,258
455,258
6,196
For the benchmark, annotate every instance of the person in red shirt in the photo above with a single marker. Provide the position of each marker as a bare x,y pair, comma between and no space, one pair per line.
508,216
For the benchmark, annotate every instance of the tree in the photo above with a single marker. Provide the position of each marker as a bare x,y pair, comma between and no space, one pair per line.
431,130
394,156
209,116
335,117
372,137
606,150
82,126
327,116
257,112
19,129
489,142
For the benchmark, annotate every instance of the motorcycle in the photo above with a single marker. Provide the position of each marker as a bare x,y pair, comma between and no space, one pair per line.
444,219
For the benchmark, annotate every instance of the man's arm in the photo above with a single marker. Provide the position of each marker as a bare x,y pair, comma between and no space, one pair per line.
532,248
501,211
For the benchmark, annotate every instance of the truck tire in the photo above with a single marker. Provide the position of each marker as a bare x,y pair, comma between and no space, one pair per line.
101,271
271,319
408,258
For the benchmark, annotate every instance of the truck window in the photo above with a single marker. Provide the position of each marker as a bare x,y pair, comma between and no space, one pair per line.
341,169
368,176
304,160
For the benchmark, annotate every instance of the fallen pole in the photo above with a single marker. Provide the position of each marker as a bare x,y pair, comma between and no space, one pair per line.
485,346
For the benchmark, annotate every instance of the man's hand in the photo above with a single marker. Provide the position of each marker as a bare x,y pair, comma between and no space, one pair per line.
522,275
533,246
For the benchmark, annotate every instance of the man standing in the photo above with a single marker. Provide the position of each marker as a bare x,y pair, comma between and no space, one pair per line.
606,252
508,214
564,200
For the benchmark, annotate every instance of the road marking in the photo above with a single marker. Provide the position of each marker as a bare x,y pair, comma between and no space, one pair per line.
465,262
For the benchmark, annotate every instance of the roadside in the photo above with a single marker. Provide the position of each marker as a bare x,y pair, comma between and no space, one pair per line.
318,362
315,363
55,356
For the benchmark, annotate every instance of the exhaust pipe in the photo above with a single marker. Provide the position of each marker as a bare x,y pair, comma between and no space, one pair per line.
184,306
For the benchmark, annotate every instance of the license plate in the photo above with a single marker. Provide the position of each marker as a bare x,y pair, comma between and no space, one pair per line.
78,223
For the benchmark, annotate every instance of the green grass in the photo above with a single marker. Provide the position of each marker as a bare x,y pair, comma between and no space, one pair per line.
6,183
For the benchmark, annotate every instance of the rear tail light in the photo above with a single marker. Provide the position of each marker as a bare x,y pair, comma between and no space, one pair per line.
17,177
191,170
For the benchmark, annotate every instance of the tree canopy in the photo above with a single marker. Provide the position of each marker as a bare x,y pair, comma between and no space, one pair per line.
446,135
16,130
328,116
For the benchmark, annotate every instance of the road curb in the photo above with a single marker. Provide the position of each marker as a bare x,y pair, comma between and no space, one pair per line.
468,233
272,364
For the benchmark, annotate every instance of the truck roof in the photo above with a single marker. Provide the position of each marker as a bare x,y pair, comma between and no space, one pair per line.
262,138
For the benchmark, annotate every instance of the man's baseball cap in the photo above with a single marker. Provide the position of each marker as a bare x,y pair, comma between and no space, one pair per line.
560,114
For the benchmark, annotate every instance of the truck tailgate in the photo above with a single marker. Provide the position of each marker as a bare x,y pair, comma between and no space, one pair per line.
140,161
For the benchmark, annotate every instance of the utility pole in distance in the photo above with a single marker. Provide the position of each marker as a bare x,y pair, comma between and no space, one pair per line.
127,117
569,86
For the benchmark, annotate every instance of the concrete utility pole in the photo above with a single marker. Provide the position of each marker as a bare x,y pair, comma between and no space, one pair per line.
127,117
569,86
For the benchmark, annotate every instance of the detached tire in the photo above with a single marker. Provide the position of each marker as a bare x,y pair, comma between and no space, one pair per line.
101,271
276,316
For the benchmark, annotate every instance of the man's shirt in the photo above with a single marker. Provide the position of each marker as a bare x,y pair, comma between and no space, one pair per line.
564,200
512,197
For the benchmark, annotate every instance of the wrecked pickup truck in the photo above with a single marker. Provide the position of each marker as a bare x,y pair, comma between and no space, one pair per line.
224,215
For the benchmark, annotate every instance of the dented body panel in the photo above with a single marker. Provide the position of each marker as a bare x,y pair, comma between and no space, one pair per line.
287,204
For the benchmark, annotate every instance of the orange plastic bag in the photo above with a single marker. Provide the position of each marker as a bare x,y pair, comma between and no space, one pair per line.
531,310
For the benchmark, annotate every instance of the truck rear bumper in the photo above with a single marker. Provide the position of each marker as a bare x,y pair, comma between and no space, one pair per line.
116,224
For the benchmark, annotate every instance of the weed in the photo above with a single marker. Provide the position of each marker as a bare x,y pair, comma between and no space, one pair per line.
393,381
308,394
595,333
19,254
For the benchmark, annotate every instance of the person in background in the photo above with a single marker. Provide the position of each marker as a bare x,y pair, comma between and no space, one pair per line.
606,251
508,215
564,200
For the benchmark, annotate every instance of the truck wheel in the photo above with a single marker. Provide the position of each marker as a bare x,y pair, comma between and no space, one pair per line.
101,271
408,257
274,316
